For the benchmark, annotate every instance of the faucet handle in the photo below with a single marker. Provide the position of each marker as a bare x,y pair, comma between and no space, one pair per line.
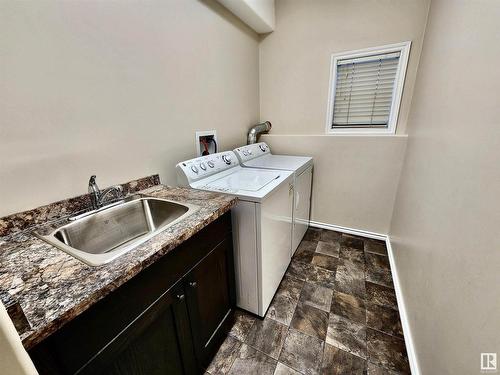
118,189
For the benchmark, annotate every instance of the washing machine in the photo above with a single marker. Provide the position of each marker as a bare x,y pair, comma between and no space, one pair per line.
259,156
262,221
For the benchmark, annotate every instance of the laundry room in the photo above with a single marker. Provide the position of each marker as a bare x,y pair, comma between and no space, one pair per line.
249,187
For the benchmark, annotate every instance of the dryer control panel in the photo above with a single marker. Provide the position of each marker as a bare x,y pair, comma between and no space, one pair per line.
196,169
249,152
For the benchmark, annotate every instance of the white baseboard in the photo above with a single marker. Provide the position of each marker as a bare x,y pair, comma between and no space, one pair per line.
410,348
356,232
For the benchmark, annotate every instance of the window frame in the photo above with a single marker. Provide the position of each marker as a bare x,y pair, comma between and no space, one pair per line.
404,49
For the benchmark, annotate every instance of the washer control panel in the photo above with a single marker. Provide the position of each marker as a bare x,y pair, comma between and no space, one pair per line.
196,169
250,152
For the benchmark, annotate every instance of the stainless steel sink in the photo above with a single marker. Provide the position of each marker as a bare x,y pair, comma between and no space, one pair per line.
109,232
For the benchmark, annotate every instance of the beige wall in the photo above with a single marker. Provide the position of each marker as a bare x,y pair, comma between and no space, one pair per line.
445,229
295,58
294,80
348,171
116,89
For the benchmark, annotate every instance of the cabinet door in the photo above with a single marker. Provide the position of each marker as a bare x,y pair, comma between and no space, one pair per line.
302,206
157,342
210,300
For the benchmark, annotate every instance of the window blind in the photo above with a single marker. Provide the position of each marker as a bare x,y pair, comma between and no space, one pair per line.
364,91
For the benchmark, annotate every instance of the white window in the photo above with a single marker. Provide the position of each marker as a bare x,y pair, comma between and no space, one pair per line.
365,90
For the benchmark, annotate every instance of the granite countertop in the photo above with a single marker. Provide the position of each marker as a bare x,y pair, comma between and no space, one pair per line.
43,287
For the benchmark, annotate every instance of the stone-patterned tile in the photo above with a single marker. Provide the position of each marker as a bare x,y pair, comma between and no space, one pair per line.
356,266
328,248
250,361
372,369
377,261
299,270
349,307
281,309
316,296
290,287
330,236
383,319
350,278
347,335
312,234
225,356
307,246
303,256
282,369
352,254
302,352
381,295
321,276
352,241
267,335
325,261
339,362
378,269
243,321
387,351
310,320
305,251
375,247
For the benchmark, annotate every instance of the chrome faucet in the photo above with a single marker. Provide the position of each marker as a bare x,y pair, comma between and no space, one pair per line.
98,197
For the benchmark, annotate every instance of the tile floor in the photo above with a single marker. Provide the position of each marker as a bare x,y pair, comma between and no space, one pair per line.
335,313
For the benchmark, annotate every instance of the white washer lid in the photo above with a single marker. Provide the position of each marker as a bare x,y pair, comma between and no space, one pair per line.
245,180
249,184
283,162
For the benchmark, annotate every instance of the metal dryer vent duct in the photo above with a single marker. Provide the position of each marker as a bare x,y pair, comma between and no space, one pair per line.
256,130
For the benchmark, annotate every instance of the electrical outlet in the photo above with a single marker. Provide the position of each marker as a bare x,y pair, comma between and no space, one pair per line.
206,142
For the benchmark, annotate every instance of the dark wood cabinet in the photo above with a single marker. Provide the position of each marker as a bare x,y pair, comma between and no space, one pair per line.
168,319
157,342
208,300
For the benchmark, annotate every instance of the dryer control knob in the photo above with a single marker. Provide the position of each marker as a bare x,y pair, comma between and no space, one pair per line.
194,169
245,153
226,159
203,166
249,152
263,148
211,164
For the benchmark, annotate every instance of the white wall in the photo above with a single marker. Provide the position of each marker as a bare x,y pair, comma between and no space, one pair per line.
265,9
116,89
294,79
13,357
258,14
445,230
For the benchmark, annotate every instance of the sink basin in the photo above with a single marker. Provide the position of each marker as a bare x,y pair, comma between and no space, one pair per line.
105,234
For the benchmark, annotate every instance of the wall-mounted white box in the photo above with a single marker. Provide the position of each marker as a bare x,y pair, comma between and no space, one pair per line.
210,137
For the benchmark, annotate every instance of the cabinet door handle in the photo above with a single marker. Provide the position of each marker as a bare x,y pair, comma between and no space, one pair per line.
193,284
180,297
